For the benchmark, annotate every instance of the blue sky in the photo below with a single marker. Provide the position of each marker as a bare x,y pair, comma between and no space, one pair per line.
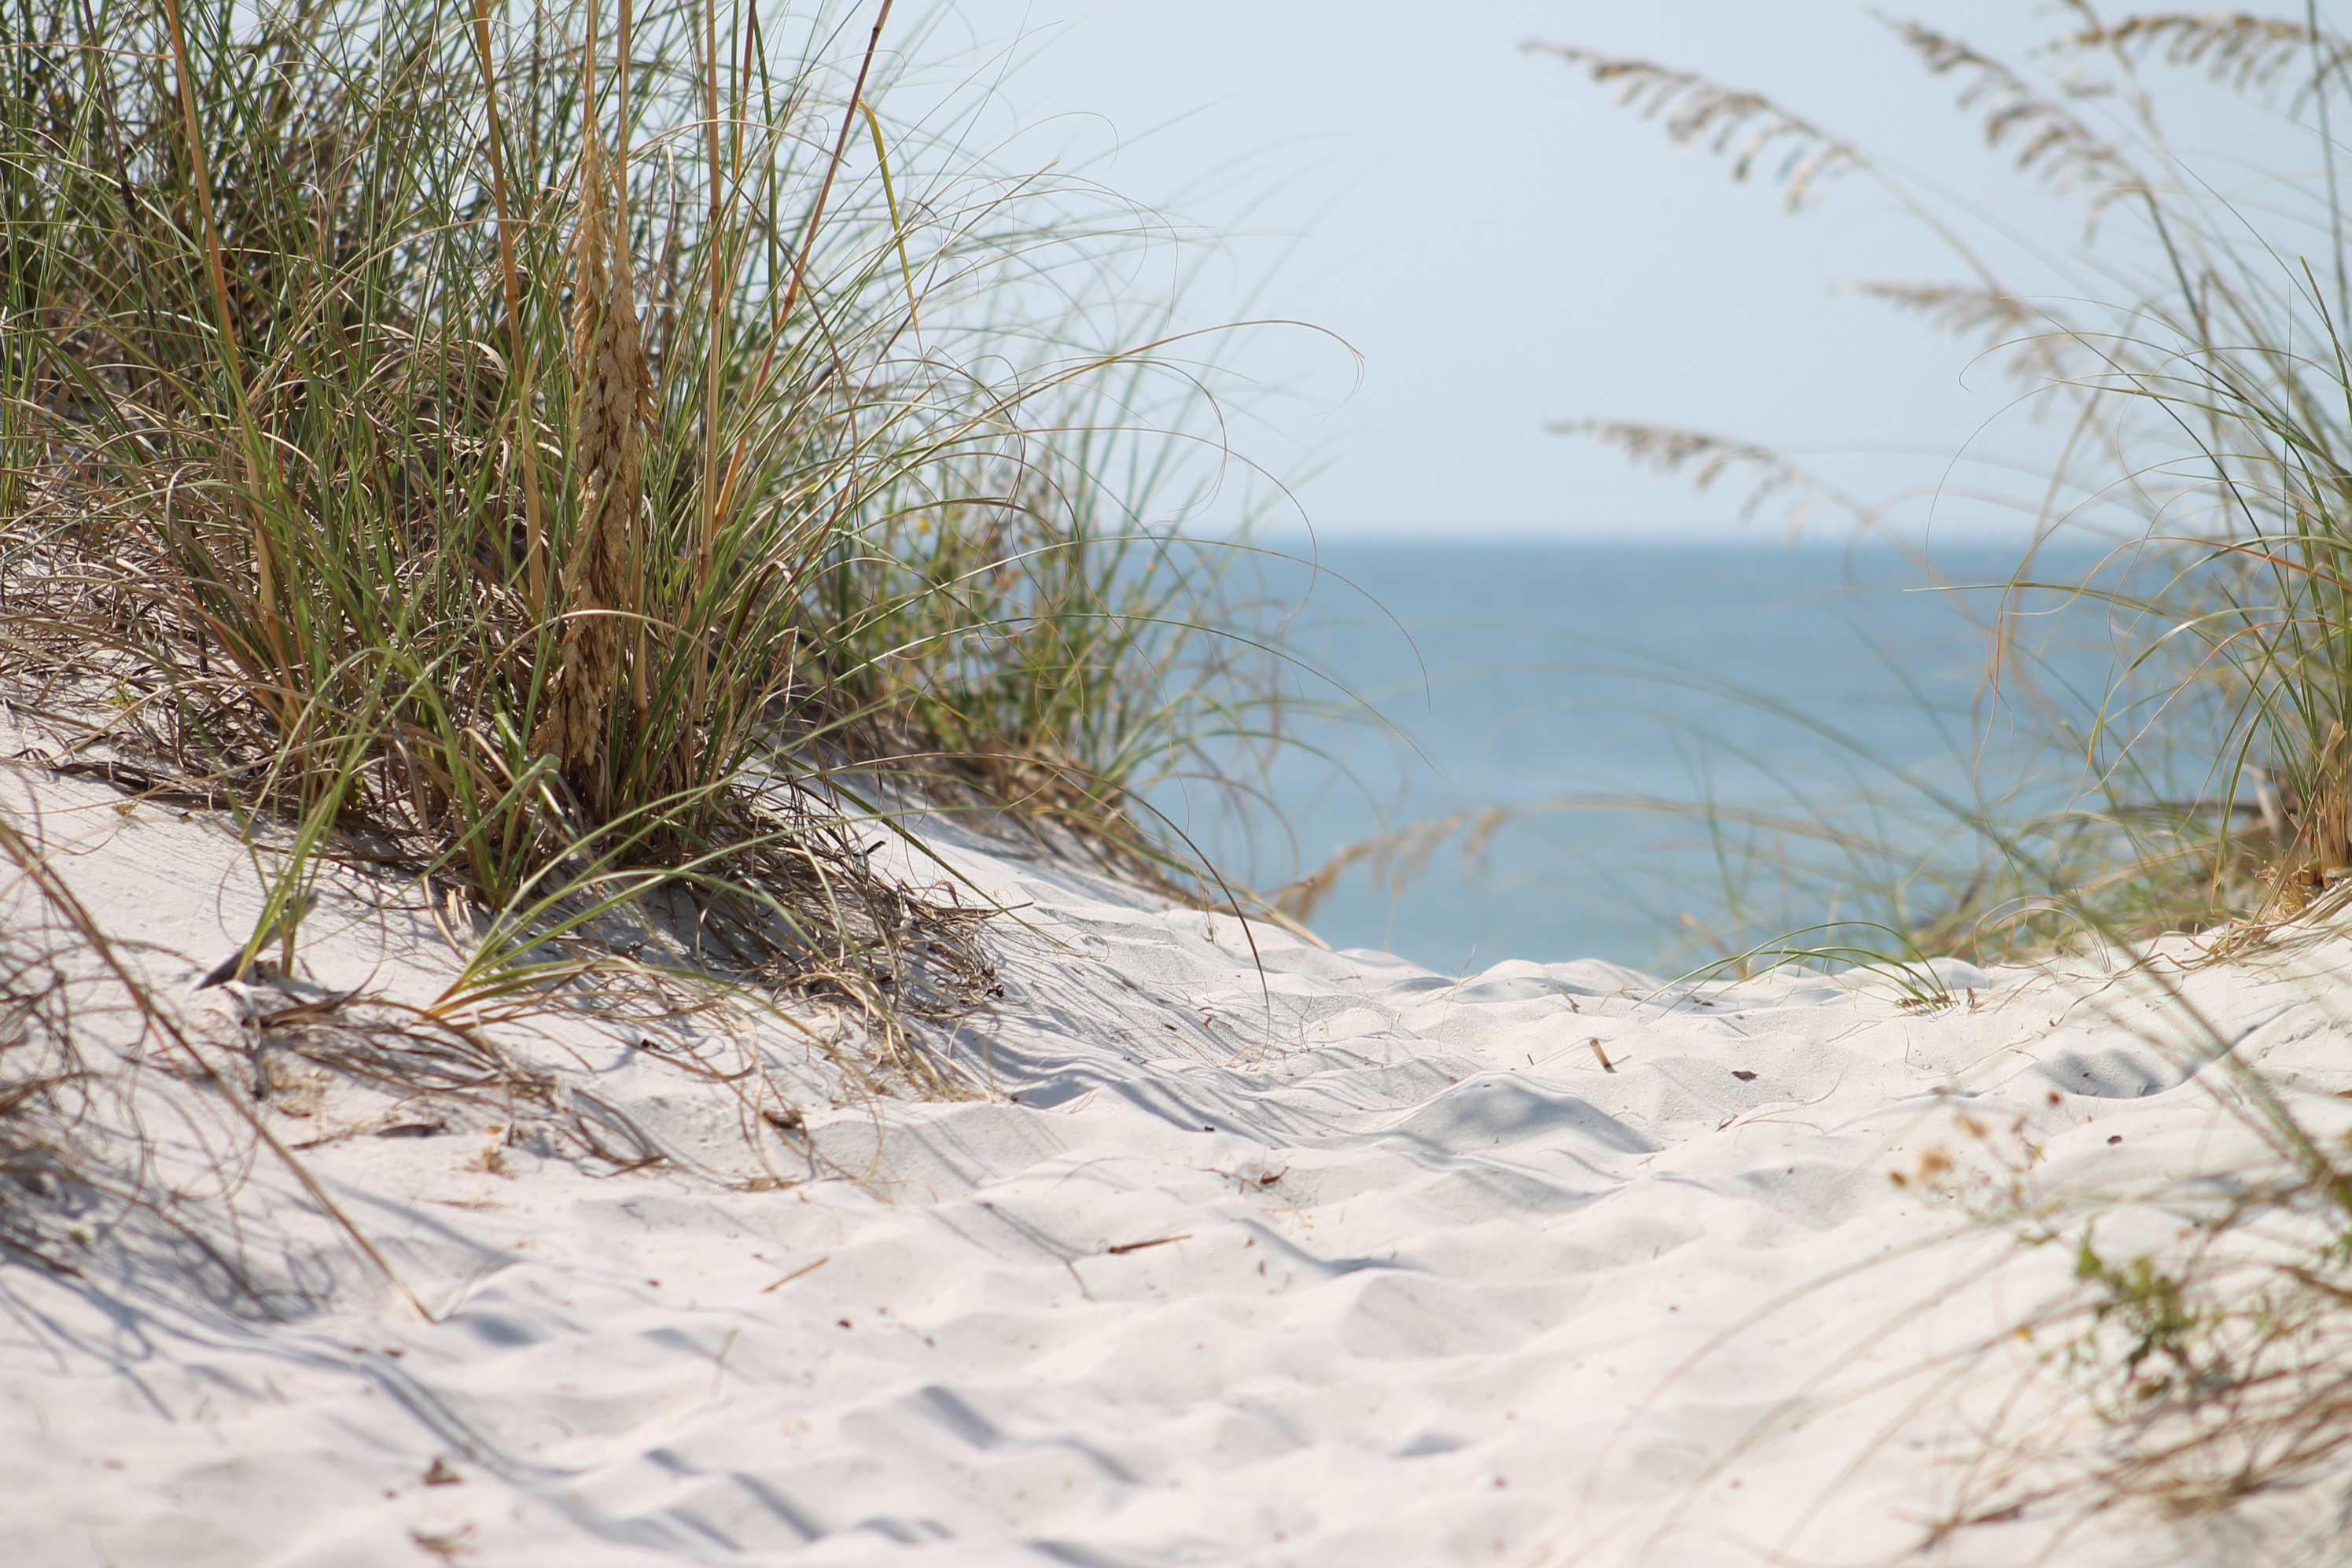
1503,247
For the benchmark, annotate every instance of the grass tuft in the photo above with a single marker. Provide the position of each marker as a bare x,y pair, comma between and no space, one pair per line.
2191,355
546,448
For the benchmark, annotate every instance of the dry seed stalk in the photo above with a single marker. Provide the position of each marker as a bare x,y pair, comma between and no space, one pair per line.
611,406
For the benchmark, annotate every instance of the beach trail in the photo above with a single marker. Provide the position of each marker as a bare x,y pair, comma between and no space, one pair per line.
1240,1251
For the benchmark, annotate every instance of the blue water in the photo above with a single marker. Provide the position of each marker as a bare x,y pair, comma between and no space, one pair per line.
1823,685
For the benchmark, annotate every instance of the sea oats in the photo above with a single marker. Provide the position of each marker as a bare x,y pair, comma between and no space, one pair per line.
613,404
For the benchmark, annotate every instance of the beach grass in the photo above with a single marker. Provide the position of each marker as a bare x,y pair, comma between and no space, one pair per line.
2189,357
571,453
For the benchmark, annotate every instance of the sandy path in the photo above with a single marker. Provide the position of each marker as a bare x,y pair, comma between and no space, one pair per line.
1338,1262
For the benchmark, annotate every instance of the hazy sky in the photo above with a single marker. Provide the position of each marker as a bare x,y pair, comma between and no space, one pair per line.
1503,245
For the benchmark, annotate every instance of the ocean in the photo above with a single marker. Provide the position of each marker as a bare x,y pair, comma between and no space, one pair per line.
1617,713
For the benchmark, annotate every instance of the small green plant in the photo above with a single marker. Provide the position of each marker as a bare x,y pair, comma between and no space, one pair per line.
2150,1311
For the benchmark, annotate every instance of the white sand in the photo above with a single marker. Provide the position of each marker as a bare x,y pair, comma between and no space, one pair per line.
1336,1263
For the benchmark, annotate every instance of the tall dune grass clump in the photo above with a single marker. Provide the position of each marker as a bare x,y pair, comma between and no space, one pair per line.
2187,359
555,443
2192,357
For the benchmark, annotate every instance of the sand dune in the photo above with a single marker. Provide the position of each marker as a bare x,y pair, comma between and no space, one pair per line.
1245,1252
